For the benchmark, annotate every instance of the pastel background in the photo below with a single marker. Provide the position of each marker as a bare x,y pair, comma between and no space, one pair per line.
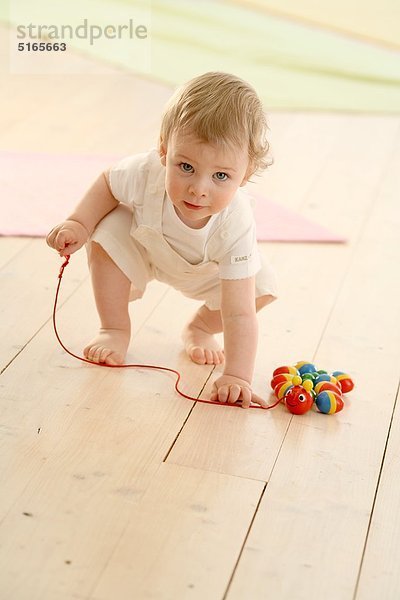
306,55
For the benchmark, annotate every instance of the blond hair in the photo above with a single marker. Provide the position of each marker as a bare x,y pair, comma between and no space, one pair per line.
219,108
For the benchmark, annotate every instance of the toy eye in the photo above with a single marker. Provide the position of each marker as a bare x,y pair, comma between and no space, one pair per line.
302,398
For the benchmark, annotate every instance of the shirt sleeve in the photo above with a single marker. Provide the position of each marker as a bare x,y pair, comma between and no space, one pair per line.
243,259
126,178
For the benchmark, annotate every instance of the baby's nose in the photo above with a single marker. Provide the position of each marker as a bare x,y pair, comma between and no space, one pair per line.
198,189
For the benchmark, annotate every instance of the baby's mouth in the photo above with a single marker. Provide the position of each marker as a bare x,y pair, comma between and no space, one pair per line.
192,206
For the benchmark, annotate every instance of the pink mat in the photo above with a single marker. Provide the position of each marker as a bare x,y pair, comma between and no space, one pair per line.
39,190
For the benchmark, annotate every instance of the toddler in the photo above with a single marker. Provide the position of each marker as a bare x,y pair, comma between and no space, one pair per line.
179,214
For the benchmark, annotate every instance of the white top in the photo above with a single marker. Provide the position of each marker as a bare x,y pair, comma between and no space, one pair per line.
188,242
240,257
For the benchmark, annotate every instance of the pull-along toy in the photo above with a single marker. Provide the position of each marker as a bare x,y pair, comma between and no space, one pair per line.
296,386
300,385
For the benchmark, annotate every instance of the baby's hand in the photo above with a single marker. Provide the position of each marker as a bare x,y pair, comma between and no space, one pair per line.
228,388
67,237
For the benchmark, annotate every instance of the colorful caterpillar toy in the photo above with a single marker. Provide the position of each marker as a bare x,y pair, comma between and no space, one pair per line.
301,385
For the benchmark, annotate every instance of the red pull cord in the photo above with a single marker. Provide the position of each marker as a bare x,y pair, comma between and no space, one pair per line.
178,376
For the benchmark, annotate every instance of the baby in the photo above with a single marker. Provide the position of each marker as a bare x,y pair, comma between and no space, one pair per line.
179,214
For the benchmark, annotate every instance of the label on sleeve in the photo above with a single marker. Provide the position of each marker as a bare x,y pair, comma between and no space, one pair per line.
240,259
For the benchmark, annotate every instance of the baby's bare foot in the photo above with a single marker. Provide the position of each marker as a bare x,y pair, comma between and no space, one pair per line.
109,347
202,347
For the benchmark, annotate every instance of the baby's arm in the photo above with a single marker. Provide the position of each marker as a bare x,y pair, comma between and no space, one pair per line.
238,312
73,233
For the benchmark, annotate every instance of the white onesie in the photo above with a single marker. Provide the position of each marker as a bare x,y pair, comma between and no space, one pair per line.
146,239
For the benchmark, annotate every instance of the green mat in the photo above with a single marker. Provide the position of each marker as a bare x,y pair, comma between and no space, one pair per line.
376,21
293,65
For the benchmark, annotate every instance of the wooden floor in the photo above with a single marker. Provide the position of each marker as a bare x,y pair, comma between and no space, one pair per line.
112,485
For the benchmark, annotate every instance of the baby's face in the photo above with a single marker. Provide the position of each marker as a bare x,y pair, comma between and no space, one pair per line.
201,179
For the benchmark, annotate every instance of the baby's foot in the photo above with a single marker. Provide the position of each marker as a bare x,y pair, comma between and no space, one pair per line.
109,347
202,347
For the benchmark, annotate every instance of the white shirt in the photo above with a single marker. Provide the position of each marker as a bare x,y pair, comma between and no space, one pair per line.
188,242
240,260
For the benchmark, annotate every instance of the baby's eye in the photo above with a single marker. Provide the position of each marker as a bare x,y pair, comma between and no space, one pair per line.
220,176
185,167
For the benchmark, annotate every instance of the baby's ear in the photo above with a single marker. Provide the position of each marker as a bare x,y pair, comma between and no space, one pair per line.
245,178
249,173
163,153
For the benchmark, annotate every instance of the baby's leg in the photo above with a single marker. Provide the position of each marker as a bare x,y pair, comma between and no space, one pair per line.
111,291
198,334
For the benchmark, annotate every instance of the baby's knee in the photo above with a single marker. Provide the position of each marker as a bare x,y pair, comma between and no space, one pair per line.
95,252
263,301
95,247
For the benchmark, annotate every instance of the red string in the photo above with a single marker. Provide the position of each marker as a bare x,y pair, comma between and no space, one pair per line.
178,376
